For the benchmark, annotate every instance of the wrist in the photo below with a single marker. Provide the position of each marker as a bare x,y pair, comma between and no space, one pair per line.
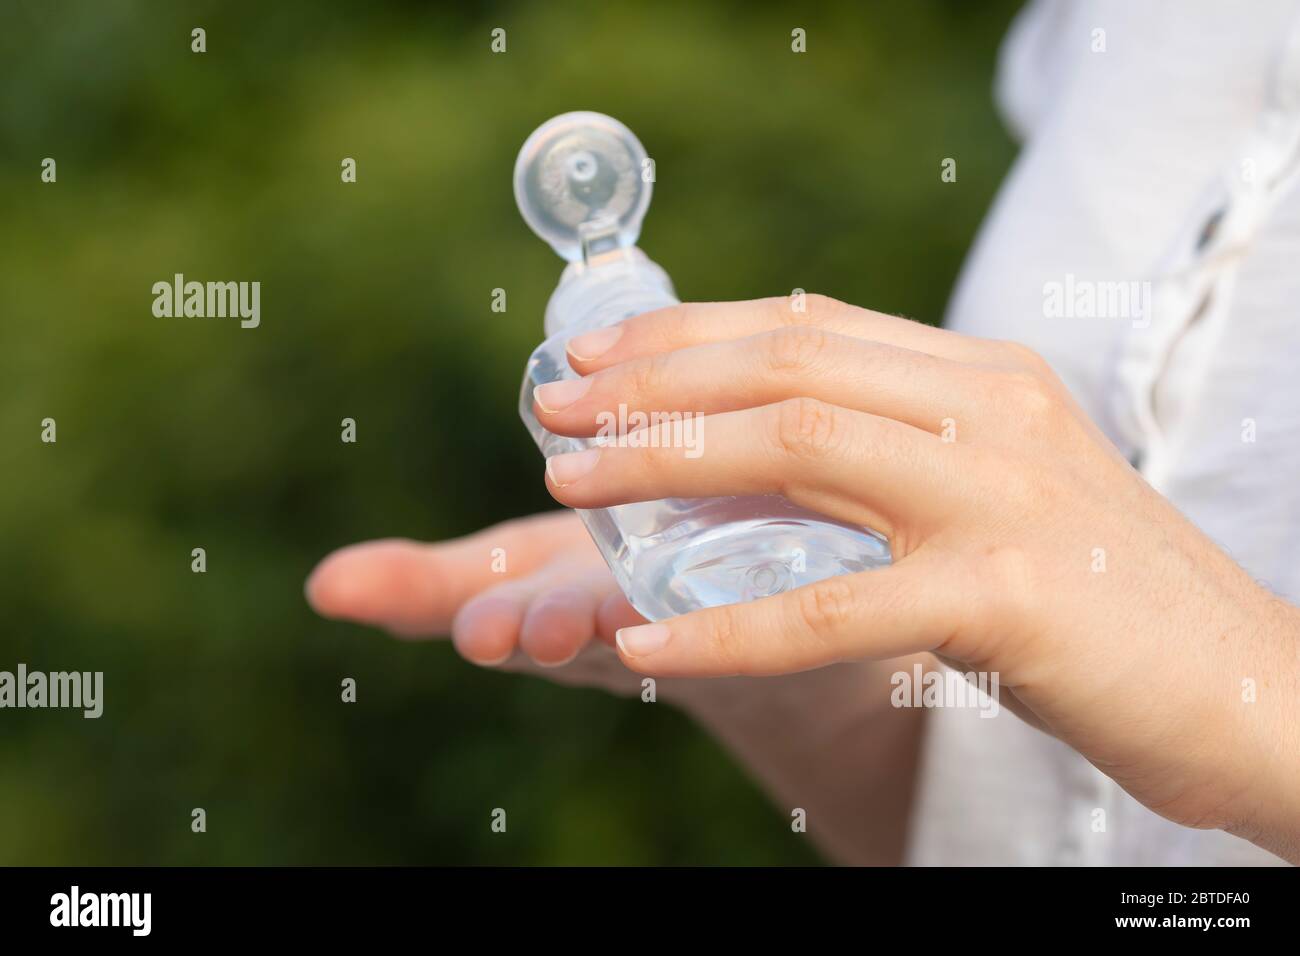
1266,735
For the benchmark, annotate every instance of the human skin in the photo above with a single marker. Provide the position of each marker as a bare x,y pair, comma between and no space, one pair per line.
824,740
1023,543
997,496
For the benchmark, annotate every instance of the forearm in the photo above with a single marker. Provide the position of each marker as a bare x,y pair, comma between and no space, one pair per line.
829,744
1261,742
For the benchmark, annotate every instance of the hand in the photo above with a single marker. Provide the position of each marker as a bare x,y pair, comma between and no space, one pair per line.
826,740
552,611
1023,543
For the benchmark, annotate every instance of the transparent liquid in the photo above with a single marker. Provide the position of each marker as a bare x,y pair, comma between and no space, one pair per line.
679,555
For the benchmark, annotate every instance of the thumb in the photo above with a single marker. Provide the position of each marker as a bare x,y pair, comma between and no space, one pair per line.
902,609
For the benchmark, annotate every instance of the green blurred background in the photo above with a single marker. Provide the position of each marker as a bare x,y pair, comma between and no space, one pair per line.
774,170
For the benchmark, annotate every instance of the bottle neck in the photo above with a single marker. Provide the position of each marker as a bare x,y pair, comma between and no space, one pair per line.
607,289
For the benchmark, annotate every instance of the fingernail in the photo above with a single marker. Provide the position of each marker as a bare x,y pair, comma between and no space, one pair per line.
560,663
592,345
495,662
554,396
567,468
642,640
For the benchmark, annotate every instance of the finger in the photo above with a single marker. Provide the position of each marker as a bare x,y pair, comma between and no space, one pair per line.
902,609
848,465
549,615
414,589
912,387
558,625
615,613
485,631
594,609
699,323
597,666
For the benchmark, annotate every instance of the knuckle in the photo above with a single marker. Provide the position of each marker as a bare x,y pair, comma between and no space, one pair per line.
662,327
780,311
724,636
677,322
823,305
658,466
815,307
795,348
806,428
1032,393
827,607
649,375
1021,356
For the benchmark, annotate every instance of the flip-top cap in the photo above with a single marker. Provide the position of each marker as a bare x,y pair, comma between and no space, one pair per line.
579,178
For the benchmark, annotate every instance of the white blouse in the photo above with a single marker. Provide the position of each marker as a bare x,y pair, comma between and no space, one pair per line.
1147,243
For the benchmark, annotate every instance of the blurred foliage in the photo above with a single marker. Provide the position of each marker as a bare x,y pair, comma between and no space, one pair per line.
774,170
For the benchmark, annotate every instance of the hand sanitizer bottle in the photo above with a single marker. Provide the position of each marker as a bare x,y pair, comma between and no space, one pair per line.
582,184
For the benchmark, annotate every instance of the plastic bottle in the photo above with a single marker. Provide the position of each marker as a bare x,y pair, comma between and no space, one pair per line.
581,185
